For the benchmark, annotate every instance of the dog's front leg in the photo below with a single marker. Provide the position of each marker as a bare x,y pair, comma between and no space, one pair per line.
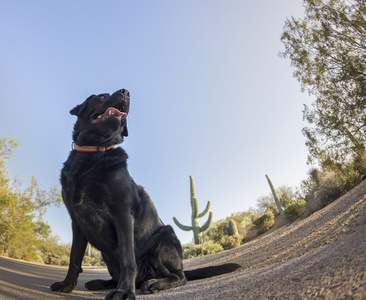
126,284
79,243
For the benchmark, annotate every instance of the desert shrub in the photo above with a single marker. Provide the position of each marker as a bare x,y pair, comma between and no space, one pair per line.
265,222
53,252
329,189
310,185
230,242
337,183
333,181
295,210
243,221
208,247
349,177
94,260
51,259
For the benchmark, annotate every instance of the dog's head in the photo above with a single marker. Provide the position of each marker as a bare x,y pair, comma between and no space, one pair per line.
101,119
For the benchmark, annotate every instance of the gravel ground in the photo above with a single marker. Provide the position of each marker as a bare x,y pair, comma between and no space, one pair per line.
322,256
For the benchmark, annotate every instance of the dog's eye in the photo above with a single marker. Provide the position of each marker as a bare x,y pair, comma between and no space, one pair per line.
95,116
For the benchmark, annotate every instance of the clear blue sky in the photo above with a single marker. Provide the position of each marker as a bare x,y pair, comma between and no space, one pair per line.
209,95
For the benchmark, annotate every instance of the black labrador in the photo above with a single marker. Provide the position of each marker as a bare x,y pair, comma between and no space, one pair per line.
114,214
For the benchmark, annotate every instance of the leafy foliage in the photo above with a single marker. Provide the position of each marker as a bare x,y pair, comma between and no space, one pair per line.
207,247
265,222
328,52
21,211
229,242
295,210
93,257
53,252
310,185
329,185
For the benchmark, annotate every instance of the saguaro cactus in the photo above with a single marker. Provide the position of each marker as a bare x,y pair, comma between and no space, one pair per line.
278,204
196,228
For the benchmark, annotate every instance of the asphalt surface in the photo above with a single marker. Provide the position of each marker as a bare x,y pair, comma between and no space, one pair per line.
31,281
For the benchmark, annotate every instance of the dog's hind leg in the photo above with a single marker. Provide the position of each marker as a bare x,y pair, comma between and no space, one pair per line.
155,285
159,262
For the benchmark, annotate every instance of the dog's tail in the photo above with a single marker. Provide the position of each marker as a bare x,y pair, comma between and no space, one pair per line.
210,271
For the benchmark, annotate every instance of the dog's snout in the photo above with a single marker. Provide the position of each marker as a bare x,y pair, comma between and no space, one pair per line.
124,92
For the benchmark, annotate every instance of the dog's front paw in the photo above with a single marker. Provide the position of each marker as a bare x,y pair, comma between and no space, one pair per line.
120,295
63,287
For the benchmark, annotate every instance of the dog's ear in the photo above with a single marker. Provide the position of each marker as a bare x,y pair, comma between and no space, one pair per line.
77,110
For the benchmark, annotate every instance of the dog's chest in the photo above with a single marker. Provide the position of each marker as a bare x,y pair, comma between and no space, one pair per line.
93,186
90,206
88,197
95,217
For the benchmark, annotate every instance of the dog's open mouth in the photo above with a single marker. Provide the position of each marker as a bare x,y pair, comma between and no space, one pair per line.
111,111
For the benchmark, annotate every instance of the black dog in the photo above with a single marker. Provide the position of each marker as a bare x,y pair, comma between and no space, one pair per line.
114,214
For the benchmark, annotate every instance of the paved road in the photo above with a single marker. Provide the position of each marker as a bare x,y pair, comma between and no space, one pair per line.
24,280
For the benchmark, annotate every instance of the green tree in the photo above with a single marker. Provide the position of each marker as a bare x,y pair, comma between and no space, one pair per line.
328,52
22,228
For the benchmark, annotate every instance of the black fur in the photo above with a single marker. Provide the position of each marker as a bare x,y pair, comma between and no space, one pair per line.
114,214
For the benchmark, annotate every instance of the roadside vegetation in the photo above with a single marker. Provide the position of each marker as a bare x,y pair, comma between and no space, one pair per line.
23,232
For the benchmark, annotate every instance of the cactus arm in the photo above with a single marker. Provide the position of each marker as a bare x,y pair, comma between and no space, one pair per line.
183,227
208,222
205,211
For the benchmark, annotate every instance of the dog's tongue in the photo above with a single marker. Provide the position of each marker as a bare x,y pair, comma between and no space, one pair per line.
115,112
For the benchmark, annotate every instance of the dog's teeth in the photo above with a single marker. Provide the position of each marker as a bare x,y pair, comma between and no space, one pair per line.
110,112
99,116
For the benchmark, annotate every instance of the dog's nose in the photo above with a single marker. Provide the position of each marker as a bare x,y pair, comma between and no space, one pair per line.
124,92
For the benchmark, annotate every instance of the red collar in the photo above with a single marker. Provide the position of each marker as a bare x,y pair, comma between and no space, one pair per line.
91,148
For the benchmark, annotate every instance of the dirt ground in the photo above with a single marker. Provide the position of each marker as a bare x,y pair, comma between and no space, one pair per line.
320,257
